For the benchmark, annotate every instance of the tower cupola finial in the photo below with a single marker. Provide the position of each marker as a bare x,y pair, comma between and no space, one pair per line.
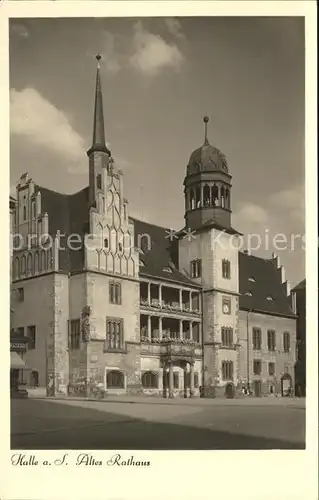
206,120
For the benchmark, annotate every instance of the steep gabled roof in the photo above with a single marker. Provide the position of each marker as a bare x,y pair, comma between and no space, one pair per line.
260,281
301,286
157,253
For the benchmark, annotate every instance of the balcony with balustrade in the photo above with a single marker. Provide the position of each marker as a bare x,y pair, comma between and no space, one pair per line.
169,300
170,338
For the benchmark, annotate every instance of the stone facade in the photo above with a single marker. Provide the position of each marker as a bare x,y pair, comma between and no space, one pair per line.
114,316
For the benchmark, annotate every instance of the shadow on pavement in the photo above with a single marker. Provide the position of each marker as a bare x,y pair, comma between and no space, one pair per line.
42,425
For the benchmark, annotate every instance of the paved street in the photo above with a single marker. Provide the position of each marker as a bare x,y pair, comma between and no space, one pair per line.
158,424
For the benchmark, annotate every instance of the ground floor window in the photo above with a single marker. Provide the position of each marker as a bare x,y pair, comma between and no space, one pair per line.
150,380
227,370
176,380
115,379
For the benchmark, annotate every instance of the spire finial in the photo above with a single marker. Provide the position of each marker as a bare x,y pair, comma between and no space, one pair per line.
206,120
98,143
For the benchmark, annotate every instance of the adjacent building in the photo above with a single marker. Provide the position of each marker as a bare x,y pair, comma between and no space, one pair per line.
299,300
114,304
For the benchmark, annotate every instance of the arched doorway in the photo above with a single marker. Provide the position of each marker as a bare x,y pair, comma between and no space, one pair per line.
229,391
286,385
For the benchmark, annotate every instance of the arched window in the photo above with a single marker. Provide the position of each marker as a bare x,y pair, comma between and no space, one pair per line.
115,380
206,195
197,197
227,200
43,261
36,263
192,199
214,195
23,265
16,270
150,380
222,197
29,265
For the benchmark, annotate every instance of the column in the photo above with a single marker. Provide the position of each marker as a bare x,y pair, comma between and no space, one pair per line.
190,300
160,295
170,380
180,328
185,380
191,330
149,293
191,380
180,299
149,327
160,327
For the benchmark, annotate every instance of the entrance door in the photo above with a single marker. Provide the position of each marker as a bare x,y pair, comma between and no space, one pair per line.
286,385
229,391
257,388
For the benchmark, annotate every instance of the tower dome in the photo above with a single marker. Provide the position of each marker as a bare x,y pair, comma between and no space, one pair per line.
207,187
207,158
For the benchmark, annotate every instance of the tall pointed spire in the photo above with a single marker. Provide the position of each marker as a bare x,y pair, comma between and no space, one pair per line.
206,120
98,143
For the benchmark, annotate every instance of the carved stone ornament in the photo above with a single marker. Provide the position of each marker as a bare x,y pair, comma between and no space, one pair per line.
85,323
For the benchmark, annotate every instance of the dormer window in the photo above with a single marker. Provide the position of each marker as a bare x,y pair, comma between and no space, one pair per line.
167,270
252,280
249,294
269,298
142,263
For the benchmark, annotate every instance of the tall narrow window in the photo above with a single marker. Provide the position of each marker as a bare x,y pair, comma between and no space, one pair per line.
99,181
115,291
257,367
286,341
74,334
271,340
31,336
271,369
226,269
24,213
114,334
196,268
256,339
33,208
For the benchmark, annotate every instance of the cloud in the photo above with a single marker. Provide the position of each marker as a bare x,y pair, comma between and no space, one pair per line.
291,201
253,213
152,53
38,120
174,27
19,30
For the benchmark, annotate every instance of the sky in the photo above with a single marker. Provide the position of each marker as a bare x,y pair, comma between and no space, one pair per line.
160,76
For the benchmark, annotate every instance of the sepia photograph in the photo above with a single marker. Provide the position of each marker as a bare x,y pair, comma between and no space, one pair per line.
157,234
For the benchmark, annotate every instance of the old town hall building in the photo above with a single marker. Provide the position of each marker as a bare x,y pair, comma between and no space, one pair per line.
110,304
